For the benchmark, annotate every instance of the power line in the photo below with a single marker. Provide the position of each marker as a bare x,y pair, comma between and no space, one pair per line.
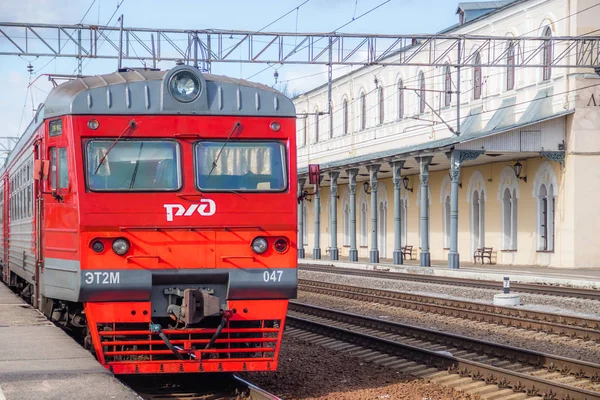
65,43
316,41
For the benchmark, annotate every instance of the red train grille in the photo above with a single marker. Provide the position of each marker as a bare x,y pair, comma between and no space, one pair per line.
238,340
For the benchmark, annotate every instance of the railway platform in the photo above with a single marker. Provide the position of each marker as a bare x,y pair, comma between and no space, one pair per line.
579,278
40,361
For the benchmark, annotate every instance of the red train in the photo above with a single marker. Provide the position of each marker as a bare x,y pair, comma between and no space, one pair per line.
156,212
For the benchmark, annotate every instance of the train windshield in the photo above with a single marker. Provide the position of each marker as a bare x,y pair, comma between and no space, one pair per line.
240,166
133,165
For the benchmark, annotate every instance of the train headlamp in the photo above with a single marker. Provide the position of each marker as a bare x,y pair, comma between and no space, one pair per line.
120,246
259,245
184,86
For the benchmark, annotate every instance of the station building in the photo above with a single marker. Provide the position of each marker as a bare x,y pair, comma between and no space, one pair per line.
521,179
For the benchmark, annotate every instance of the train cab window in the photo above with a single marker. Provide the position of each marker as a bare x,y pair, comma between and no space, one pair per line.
241,166
133,165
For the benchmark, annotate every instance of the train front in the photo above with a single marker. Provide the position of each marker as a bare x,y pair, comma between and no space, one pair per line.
187,208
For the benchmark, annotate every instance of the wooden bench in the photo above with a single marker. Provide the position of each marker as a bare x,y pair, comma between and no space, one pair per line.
482,253
407,251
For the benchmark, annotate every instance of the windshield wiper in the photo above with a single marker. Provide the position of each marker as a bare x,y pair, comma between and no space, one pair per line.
137,166
130,126
214,163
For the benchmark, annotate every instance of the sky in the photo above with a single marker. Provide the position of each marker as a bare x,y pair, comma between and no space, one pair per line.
17,101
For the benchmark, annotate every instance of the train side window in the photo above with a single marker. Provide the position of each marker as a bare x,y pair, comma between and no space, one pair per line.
63,171
53,167
59,171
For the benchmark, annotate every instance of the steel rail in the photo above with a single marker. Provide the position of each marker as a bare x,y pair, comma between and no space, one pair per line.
562,291
188,387
576,327
368,332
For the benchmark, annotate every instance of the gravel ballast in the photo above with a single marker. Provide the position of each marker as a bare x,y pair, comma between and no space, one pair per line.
535,302
538,341
311,372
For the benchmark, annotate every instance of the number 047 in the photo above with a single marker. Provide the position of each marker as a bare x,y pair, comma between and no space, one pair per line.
272,276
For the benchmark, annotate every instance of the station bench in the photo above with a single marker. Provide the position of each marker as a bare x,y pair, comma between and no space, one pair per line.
482,253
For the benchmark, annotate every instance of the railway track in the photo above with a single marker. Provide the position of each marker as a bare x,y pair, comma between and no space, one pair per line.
204,387
561,291
479,366
576,327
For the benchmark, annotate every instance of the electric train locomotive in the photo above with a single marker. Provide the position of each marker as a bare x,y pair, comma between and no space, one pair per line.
156,212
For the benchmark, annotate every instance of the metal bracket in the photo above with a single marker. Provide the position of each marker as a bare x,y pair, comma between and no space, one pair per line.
556,156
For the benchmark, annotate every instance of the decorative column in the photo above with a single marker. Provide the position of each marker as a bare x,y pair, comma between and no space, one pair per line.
397,179
457,157
333,251
424,190
317,248
374,253
352,174
301,222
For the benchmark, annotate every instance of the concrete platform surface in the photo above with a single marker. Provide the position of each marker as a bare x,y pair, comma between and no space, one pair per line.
39,361
583,278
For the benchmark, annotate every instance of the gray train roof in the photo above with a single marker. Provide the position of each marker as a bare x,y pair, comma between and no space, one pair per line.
147,92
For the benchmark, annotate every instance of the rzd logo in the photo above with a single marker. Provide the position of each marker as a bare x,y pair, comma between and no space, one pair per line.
206,208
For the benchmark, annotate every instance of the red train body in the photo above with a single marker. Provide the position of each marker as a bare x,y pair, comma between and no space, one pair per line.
156,211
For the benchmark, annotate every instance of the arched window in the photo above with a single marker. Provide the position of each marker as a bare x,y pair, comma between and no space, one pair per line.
305,225
477,76
403,222
363,224
381,105
509,219
546,218
400,94
544,190
476,196
363,111
510,69
345,111
346,224
382,222
547,54
447,222
447,87
478,220
421,92
316,126
508,193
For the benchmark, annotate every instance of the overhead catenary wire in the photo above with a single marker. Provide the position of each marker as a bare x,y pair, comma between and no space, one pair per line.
430,70
335,30
65,43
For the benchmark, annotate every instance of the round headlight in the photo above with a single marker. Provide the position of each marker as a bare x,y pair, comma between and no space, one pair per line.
259,245
120,246
184,86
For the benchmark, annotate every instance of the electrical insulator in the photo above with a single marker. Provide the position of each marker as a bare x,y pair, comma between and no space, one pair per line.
276,75
30,68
